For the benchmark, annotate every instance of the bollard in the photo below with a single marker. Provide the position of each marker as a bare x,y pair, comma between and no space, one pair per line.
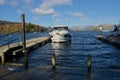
89,67
53,62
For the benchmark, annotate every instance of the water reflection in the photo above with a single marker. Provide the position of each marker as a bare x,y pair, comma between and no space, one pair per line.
59,48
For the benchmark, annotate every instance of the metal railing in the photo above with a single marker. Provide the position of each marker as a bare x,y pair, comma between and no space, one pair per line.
7,39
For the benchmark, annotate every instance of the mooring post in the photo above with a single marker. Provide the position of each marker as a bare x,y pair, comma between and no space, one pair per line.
3,58
53,62
24,43
89,66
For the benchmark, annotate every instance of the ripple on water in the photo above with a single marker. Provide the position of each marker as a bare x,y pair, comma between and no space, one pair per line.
75,53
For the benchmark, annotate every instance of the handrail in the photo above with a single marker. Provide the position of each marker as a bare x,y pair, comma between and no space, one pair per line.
9,34
9,40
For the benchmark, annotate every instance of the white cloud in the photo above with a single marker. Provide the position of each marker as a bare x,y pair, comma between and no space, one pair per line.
28,1
47,7
55,15
13,3
92,12
36,18
52,3
41,11
1,2
19,11
63,20
67,19
57,20
76,14
80,15
10,3
112,18
84,18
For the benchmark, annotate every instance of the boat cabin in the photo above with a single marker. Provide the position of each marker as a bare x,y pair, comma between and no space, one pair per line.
61,28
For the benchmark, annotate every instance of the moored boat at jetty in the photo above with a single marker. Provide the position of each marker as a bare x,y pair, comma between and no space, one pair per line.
60,34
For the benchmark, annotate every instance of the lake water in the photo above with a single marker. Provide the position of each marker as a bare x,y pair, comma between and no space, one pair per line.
74,54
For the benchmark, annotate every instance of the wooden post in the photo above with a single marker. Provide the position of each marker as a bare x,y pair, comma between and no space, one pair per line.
89,63
24,43
53,62
3,58
89,67
25,59
23,32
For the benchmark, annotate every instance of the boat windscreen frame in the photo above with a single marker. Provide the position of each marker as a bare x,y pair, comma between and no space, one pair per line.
60,28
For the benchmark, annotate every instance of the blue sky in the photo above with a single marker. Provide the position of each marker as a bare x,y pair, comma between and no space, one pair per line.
62,12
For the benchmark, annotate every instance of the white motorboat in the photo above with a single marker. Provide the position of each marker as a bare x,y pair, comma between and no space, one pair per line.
60,34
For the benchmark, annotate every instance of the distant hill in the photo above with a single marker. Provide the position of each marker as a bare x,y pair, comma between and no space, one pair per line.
8,27
7,22
105,27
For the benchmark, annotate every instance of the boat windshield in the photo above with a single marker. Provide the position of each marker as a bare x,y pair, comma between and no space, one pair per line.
60,28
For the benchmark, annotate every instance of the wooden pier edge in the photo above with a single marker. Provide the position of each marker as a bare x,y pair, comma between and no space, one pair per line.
30,45
113,40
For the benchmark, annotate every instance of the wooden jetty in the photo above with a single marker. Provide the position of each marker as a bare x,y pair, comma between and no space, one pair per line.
16,49
114,40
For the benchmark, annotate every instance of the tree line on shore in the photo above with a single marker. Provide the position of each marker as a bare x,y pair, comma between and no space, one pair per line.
9,27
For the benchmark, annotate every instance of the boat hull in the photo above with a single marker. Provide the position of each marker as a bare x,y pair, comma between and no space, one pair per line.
60,39
60,34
